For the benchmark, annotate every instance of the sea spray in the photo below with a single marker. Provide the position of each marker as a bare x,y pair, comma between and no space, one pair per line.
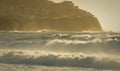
88,51
59,59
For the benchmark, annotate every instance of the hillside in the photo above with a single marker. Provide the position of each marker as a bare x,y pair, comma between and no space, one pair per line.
33,15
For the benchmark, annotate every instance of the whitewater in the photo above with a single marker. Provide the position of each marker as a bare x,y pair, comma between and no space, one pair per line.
59,51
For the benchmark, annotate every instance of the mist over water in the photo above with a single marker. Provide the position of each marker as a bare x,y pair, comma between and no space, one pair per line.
79,51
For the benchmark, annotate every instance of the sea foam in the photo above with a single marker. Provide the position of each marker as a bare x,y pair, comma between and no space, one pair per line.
59,59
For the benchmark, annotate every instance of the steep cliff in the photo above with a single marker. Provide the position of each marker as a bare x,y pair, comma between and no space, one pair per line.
32,15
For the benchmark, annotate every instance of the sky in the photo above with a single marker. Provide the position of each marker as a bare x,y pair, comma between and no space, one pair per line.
107,12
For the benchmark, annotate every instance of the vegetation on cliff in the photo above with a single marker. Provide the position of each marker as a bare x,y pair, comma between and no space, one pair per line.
32,15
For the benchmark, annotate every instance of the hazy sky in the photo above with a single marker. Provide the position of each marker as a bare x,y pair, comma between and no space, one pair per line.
107,12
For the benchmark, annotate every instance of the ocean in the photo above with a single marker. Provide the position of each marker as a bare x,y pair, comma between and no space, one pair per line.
59,51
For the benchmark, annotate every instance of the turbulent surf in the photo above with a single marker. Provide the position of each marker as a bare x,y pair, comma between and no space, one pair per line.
59,51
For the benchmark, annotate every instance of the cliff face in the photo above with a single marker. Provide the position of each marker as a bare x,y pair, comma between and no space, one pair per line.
32,15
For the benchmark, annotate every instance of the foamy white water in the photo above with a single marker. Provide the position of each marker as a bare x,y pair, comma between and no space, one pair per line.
14,67
55,51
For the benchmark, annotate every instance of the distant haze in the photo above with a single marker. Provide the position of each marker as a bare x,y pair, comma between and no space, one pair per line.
107,11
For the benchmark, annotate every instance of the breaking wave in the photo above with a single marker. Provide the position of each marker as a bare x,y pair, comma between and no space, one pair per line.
97,40
84,50
59,59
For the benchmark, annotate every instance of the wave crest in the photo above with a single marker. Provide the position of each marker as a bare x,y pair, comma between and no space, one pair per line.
52,59
97,40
